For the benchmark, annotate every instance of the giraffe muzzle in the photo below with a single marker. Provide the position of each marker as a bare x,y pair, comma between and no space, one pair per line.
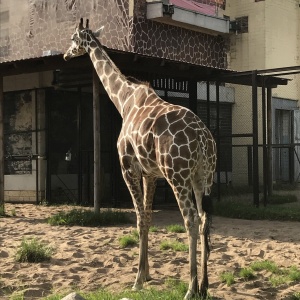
66,57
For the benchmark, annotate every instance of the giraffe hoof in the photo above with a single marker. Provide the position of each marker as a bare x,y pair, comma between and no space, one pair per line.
137,287
189,295
148,278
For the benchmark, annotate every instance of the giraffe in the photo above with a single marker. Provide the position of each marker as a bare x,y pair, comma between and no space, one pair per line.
157,140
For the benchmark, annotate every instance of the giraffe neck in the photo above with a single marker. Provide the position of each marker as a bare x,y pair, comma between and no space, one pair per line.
114,82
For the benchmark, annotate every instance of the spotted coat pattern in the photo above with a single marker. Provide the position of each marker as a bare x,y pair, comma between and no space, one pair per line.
157,140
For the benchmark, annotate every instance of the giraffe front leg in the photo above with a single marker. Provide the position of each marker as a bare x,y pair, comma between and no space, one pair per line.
132,176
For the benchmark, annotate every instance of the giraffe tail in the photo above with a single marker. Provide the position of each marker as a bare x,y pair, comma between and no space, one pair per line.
207,206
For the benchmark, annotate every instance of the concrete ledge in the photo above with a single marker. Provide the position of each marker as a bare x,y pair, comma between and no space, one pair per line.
181,17
22,196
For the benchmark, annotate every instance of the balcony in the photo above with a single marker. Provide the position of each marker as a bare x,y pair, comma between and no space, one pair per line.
188,14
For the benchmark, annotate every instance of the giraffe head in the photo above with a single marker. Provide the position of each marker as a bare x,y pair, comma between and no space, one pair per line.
80,40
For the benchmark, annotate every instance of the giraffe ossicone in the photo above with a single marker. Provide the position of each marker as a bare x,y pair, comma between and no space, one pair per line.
157,140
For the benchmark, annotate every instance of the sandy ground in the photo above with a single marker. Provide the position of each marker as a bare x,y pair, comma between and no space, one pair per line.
88,258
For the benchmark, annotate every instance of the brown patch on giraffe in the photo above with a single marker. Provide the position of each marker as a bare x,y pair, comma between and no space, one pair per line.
185,173
97,53
184,151
181,138
174,151
179,163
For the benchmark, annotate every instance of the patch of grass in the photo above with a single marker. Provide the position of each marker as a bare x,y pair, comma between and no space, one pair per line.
265,265
128,241
82,217
285,276
135,234
246,273
285,186
228,278
243,210
17,296
172,290
33,251
279,275
282,199
2,210
295,296
277,280
293,273
13,212
172,283
173,245
153,229
176,228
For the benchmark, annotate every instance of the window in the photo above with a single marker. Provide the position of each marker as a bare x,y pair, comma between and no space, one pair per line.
242,24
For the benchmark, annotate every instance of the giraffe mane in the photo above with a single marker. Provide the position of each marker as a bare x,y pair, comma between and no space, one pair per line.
137,81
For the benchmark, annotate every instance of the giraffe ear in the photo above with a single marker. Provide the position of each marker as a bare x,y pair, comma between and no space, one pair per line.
98,32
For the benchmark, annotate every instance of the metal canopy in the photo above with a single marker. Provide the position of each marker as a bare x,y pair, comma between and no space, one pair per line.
135,63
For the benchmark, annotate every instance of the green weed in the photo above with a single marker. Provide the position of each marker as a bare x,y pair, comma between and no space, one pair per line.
228,278
128,241
243,210
33,251
2,210
89,218
265,265
246,273
172,290
295,296
173,245
153,229
282,199
175,228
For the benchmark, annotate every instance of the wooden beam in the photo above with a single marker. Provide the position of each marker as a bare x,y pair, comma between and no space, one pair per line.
1,147
97,148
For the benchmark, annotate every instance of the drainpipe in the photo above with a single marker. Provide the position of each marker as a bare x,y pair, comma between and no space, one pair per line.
1,147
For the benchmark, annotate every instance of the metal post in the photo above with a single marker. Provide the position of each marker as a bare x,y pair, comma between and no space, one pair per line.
265,154
255,140
208,104
269,141
218,139
96,128
79,153
193,96
37,189
1,147
250,165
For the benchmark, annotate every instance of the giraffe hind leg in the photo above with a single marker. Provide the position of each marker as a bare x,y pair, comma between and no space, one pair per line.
204,206
183,194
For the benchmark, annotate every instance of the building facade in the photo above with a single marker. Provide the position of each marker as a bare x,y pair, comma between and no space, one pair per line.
48,140
48,103
267,37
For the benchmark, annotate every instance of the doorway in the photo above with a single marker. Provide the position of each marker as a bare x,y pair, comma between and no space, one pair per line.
283,151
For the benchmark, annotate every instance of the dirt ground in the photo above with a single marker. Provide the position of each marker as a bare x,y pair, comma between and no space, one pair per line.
88,258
